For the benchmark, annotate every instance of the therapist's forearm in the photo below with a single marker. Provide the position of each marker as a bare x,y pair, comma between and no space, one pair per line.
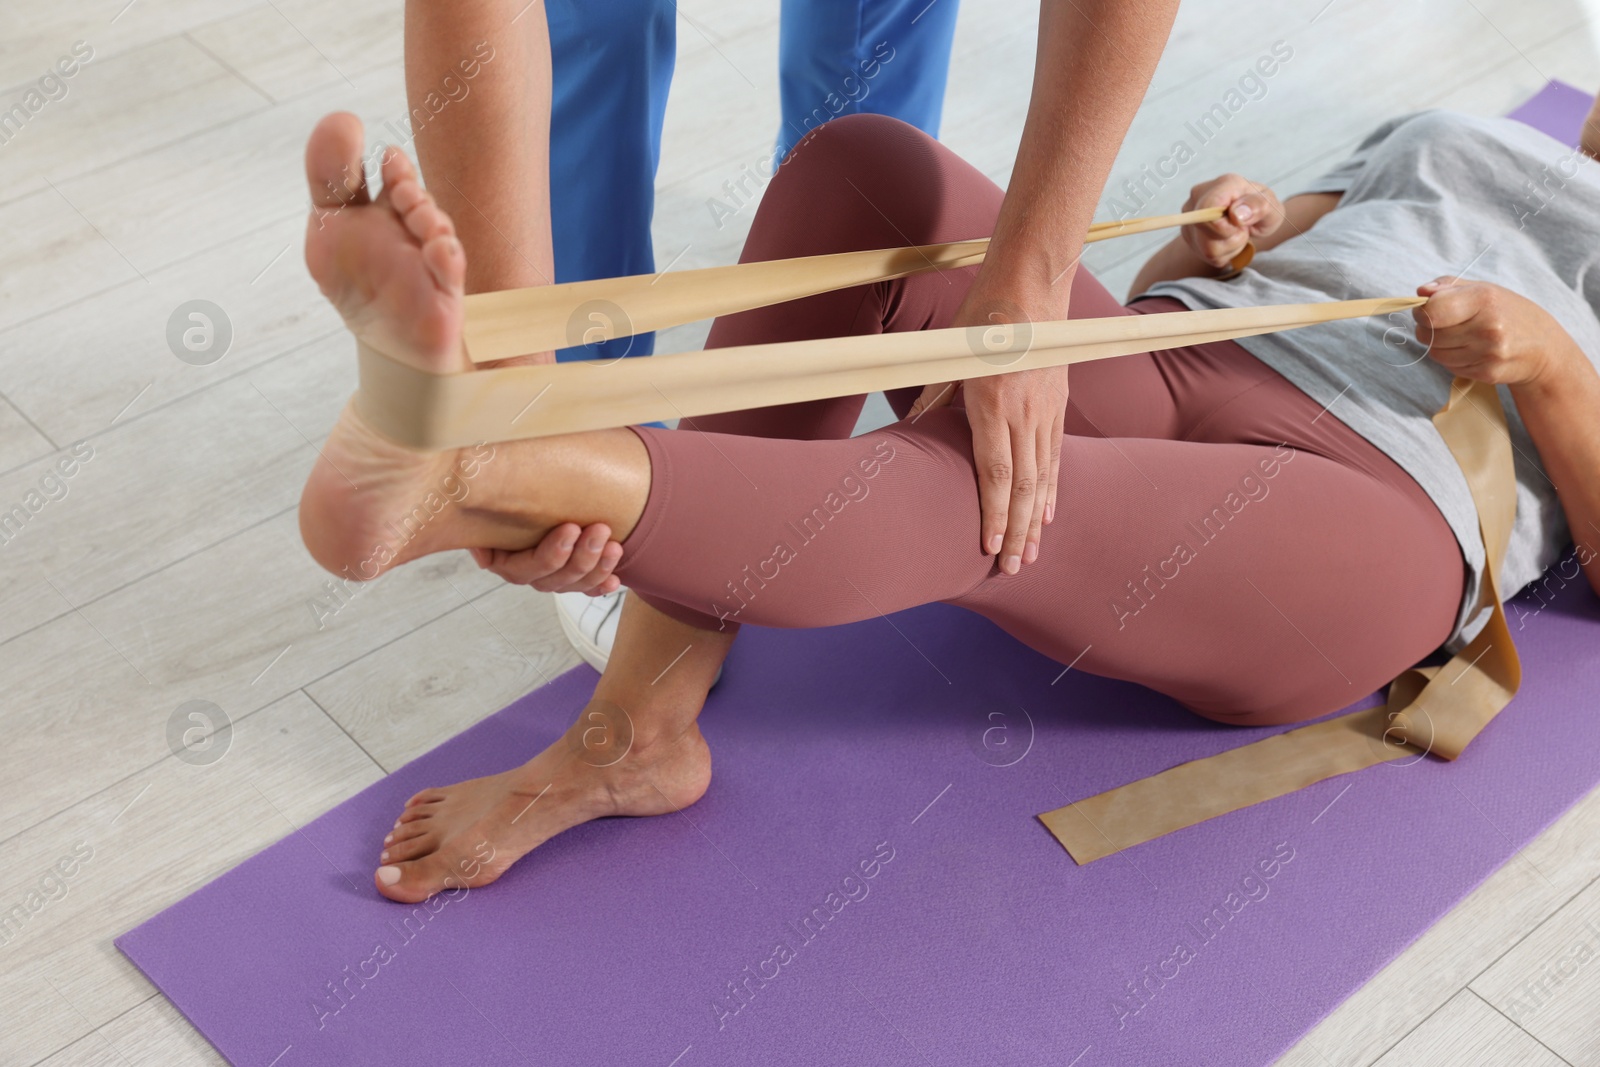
485,155
1095,60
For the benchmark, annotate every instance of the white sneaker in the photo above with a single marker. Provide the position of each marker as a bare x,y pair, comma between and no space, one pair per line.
590,623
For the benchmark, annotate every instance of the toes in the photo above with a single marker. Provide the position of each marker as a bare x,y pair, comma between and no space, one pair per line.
404,196
447,263
427,796
426,221
405,832
414,881
417,846
396,167
333,162
415,812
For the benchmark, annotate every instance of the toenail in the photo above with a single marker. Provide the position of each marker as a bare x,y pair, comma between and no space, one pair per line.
388,875
388,839
383,857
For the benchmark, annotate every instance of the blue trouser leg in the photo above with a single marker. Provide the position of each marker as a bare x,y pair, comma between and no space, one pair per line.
886,57
612,64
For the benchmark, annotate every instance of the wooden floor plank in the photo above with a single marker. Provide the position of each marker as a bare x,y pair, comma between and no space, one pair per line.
37,35
140,844
239,625
1466,1032
1490,921
119,106
104,355
410,696
1549,984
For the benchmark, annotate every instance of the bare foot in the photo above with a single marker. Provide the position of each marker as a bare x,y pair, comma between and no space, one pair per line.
471,833
394,269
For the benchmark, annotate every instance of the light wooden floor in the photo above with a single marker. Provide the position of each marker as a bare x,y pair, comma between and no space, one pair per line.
172,571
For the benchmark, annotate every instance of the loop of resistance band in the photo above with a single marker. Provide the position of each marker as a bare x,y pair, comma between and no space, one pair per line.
1431,709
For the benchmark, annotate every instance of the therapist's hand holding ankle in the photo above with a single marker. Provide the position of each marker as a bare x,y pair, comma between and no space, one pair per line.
1094,63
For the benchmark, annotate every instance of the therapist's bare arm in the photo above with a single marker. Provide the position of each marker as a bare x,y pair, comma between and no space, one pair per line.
485,154
1095,59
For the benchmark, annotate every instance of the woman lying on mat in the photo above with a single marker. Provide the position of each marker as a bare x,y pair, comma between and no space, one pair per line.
1264,530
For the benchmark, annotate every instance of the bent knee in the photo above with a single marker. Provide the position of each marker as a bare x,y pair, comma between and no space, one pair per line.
871,181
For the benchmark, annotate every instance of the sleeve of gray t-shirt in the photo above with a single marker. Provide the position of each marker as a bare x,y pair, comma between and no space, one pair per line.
1342,177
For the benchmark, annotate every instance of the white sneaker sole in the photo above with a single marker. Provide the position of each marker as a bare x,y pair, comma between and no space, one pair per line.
591,653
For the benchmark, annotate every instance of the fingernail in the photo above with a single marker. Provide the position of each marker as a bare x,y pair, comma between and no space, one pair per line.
994,543
1242,212
567,543
1012,564
597,542
1049,513
388,875
1030,552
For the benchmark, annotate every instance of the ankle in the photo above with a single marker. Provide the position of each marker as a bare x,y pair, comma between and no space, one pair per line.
541,482
607,734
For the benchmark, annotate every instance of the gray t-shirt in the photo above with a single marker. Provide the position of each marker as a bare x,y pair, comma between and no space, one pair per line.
1431,194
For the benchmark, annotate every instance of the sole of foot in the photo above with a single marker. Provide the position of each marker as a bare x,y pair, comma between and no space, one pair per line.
394,269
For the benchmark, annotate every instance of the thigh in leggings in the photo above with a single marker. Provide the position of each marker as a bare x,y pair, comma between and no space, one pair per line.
1218,536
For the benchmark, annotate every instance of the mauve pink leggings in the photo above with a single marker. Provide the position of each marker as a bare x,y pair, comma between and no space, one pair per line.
1217,537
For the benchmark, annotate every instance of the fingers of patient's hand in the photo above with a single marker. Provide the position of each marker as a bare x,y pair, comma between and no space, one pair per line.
1218,242
1450,306
1251,208
1257,212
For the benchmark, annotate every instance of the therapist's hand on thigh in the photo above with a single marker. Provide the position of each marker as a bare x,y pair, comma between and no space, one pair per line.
1017,419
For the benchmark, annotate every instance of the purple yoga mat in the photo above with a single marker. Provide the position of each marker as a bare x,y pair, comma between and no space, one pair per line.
865,881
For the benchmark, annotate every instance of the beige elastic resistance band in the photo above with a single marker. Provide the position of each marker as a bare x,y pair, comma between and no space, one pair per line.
513,322
432,411
1429,709
1435,710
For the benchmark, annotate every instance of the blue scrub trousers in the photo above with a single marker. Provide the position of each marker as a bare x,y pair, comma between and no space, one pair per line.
613,63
